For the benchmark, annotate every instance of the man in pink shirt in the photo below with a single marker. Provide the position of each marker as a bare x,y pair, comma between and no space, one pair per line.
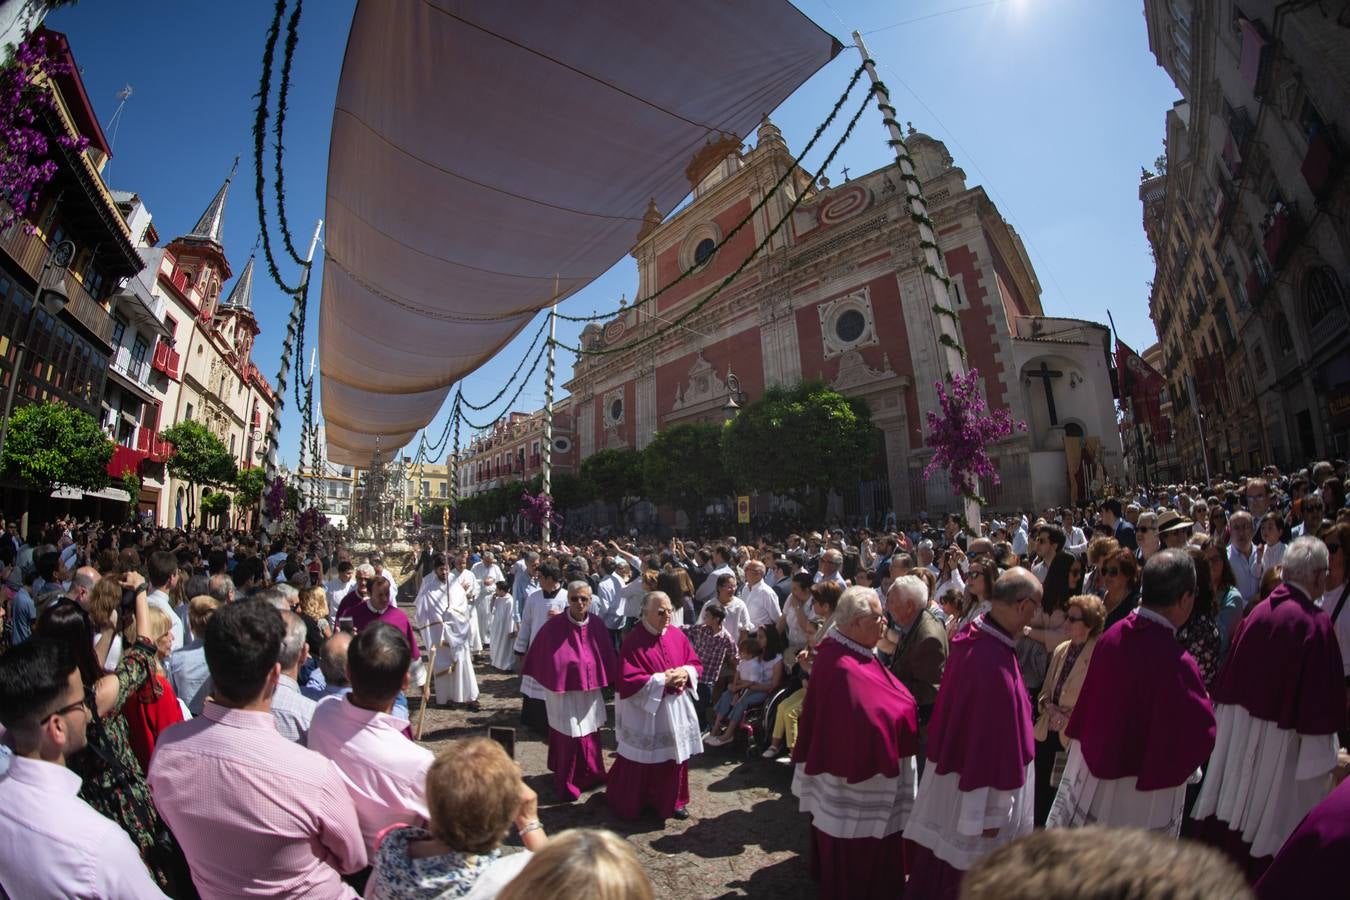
256,815
385,773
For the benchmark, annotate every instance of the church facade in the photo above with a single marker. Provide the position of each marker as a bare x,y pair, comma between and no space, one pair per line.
839,294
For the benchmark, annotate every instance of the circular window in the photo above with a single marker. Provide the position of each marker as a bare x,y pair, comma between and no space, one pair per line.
704,251
616,409
850,326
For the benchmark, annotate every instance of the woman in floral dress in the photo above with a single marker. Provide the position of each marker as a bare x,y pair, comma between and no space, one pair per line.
113,781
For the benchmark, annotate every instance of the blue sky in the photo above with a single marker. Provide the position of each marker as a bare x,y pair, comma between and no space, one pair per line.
1051,105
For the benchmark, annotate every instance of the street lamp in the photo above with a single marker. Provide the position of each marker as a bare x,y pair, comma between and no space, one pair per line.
51,295
735,396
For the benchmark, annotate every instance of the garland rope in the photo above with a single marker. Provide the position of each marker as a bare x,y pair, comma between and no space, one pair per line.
259,129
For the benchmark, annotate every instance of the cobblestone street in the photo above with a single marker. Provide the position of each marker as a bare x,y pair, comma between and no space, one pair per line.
744,838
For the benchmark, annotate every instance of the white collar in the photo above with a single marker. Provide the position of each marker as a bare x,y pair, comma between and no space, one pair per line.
851,644
1145,612
984,626
651,630
582,623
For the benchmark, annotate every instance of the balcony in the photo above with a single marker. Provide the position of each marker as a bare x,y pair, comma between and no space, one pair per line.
1279,227
148,442
134,370
30,252
166,360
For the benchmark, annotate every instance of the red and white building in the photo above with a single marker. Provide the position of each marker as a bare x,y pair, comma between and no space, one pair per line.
839,294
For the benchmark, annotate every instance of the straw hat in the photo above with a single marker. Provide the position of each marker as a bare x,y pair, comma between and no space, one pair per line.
1171,520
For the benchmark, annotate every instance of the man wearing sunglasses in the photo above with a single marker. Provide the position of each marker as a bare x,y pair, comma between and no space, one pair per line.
52,843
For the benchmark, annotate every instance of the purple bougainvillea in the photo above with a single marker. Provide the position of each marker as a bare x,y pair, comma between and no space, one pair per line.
961,432
538,509
274,501
25,166
310,522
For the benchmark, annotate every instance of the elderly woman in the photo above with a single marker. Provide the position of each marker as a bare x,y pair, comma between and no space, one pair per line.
582,865
1146,534
1119,574
1063,680
474,795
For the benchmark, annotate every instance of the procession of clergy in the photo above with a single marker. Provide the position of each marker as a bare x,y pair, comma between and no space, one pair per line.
897,806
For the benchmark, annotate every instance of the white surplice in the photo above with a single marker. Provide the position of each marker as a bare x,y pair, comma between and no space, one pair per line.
1270,777
654,727
443,609
1085,799
951,822
538,610
504,624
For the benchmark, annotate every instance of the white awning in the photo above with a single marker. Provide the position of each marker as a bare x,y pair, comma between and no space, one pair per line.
480,149
66,492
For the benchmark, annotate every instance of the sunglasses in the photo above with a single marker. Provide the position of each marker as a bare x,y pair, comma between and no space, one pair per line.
1143,529
1111,572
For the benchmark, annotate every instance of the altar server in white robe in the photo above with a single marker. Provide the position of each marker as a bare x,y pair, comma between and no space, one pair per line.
504,627
1280,701
469,585
547,601
443,609
486,573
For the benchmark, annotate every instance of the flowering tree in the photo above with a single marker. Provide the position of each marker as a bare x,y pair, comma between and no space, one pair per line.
274,501
538,509
25,166
961,432
310,522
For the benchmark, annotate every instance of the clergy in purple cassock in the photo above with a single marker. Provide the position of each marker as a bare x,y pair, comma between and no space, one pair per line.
1143,724
1315,854
854,757
655,722
1280,700
977,790
572,658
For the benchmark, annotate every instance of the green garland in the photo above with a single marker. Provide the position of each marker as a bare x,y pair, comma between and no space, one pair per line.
259,129
763,201
288,55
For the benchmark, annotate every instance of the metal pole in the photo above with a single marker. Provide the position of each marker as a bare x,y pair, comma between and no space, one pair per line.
14,376
1199,425
284,370
934,266
547,528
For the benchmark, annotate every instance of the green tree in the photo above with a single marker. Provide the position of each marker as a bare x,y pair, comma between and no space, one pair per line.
569,491
52,443
682,467
249,485
216,504
200,458
800,442
615,476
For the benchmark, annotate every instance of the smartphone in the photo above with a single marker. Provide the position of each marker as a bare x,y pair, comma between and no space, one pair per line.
504,736
345,624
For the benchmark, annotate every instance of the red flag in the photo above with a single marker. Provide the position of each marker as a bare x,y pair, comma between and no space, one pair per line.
1139,382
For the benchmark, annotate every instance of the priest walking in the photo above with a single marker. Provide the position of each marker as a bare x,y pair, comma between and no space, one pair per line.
859,800
655,722
977,791
1143,724
571,659
1280,701
443,609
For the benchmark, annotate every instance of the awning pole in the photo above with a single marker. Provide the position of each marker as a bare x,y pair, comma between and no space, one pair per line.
547,532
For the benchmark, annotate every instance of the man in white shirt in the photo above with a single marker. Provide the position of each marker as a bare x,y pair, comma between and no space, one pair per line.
1049,542
1019,539
52,843
442,608
609,598
831,561
1075,541
338,587
1242,555
384,772
760,600
163,571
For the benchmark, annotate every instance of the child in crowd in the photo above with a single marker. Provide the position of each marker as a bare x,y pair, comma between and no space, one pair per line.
732,704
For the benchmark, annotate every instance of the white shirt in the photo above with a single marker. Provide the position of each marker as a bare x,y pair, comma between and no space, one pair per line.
442,608
1341,623
385,773
161,599
737,620
336,590
609,598
1077,542
53,844
761,601
537,611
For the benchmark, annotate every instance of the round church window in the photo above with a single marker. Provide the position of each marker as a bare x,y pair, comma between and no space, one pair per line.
850,326
704,251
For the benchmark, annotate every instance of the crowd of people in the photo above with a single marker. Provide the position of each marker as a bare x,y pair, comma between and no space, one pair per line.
229,714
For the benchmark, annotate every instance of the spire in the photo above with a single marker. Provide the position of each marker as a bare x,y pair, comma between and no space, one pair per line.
212,223
241,295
